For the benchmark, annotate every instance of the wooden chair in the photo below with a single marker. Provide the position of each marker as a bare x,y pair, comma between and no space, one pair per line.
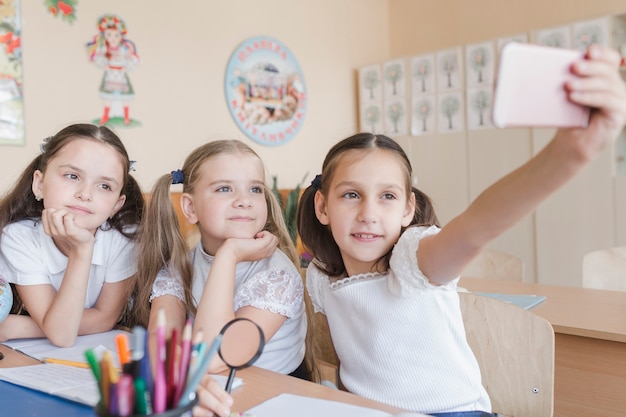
495,265
515,351
189,231
605,269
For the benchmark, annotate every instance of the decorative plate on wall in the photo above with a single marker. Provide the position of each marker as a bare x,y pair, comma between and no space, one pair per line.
265,91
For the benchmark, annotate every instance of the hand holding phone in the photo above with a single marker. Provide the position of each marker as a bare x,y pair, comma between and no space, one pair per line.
530,88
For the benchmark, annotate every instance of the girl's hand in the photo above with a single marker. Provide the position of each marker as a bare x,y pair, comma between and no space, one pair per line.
601,88
60,225
262,246
212,399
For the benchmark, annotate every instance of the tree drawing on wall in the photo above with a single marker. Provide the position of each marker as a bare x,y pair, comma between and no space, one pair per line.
422,111
554,39
395,113
449,107
422,72
372,117
371,81
449,66
479,59
393,74
481,103
587,35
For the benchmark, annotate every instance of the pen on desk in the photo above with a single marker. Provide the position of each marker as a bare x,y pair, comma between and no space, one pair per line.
184,360
105,381
159,399
193,358
95,369
203,364
145,367
123,351
66,362
141,398
171,370
125,400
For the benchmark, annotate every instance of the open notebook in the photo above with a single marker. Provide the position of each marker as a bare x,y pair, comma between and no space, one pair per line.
288,405
526,301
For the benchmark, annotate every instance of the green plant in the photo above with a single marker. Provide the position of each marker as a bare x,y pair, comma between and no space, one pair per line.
290,206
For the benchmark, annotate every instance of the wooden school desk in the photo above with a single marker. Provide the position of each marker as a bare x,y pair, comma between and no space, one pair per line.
590,344
259,386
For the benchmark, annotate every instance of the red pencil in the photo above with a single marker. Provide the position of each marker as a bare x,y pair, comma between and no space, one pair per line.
184,360
173,368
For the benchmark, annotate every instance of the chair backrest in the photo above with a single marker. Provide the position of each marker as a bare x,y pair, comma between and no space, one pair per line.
605,269
190,231
495,265
515,350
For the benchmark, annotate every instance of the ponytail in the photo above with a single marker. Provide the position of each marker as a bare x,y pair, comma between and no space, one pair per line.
160,245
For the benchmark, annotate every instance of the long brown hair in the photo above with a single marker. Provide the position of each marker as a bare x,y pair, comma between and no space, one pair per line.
317,237
19,203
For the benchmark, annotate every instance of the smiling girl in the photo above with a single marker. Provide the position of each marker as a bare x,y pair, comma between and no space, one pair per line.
243,266
66,236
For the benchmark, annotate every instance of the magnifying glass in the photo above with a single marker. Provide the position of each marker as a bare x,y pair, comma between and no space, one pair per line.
233,352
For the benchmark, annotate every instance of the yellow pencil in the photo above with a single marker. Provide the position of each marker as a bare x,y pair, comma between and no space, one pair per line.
66,362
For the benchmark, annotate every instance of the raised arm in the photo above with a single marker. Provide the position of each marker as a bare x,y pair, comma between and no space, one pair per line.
442,257
216,306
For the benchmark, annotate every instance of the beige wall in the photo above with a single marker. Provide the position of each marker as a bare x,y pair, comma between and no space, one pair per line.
425,25
184,48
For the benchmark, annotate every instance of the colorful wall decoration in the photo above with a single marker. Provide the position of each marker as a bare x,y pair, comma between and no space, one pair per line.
265,91
115,54
63,9
11,79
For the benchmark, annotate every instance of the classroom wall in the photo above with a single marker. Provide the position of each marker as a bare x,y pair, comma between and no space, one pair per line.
184,48
453,169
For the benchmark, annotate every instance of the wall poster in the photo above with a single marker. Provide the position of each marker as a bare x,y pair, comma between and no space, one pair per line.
265,91
11,77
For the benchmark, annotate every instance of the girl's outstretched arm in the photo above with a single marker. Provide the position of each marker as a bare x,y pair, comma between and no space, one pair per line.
216,306
442,257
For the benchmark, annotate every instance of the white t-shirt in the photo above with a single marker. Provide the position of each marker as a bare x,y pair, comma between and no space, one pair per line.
272,284
401,340
28,256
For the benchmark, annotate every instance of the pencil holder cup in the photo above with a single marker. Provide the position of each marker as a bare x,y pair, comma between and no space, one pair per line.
184,411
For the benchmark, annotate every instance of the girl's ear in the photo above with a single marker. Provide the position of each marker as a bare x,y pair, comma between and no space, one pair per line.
320,208
186,205
36,186
409,212
118,205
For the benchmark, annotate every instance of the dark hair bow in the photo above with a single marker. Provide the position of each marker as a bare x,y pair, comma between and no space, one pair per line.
178,177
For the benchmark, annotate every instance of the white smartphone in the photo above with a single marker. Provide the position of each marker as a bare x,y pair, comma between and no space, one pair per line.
530,88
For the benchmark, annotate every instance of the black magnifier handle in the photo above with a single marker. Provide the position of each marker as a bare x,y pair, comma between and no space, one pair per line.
231,378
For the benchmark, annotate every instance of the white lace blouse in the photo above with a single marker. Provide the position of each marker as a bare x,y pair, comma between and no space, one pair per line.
401,340
272,284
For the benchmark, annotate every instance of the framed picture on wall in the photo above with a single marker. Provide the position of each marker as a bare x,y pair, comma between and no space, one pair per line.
11,77
559,37
449,69
394,75
395,117
591,31
423,115
423,73
479,103
479,64
450,112
265,90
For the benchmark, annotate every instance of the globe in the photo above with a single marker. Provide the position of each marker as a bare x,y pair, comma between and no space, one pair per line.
6,299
